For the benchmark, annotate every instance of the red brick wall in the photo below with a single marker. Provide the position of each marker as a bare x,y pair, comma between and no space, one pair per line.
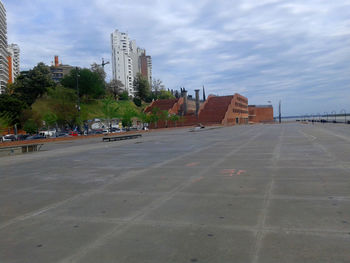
260,115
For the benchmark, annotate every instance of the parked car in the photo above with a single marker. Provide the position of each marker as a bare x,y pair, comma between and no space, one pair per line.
22,137
50,133
8,138
62,134
35,137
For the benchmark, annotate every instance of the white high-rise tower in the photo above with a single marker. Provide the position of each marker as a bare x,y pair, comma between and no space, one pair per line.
122,65
4,74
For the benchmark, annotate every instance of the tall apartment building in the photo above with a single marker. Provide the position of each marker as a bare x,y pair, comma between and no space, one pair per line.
122,67
13,62
128,60
4,74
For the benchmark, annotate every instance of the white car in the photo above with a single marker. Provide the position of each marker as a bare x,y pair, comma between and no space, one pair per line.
8,138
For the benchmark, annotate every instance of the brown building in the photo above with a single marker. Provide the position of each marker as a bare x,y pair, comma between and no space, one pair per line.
58,71
260,113
216,110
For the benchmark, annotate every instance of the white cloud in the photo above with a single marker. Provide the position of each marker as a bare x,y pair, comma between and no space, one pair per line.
265,49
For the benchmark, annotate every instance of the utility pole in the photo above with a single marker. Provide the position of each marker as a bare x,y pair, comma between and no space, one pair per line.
279,114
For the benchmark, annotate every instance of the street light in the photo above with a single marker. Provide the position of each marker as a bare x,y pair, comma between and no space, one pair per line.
344,114
326,113
335,116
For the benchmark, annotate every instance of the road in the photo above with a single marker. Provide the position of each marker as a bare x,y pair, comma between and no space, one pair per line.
262,193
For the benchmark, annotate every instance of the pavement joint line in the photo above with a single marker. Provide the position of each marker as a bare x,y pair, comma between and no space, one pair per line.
147,209
124,176
256,248
270,229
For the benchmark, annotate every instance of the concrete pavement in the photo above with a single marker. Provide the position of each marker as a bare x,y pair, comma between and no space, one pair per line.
263,193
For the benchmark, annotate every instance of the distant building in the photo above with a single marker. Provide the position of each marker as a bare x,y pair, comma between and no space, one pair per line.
128,60
4,74
58,71
13,62
122,68
260,113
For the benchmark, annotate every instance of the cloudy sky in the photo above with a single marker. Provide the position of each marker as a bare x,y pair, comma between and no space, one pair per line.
268,50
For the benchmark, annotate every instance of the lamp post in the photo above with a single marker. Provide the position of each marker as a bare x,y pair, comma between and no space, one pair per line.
335,116
326,114
78,95
344,114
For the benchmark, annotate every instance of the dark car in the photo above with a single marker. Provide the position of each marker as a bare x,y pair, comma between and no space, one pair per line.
36,137
62,134
22,137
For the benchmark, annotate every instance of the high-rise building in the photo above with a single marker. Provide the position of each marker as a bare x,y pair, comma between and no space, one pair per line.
13,62
4,74
122,66
128,60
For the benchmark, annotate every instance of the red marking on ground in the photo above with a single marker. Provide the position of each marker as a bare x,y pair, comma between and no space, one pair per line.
198,179
192,164
228,172
232,172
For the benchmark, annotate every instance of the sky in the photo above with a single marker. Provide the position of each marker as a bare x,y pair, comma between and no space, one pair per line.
296,52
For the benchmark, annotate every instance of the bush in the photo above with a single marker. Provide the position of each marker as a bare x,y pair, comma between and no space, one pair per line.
137,102
30,126
124,96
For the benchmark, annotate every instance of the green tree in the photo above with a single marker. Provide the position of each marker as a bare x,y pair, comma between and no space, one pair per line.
154,116
12,107
164,116
141,87
5,121
63,104
165,94
90,84
32,84
174,118
124,95
110,109
30,126
50,119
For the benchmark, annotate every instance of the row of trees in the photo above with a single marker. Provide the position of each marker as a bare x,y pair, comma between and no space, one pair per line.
34,99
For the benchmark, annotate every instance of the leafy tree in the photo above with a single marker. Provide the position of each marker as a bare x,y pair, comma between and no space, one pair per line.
138,102
99,70
124,95
12,107
174,118
90,84
115,87
127,115
5,121
109,109
141,87
32,84
30,126
154,117
165,94
63,105
164,116
50,119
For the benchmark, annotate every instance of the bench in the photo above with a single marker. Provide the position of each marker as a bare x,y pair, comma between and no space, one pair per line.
18,149
120,138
